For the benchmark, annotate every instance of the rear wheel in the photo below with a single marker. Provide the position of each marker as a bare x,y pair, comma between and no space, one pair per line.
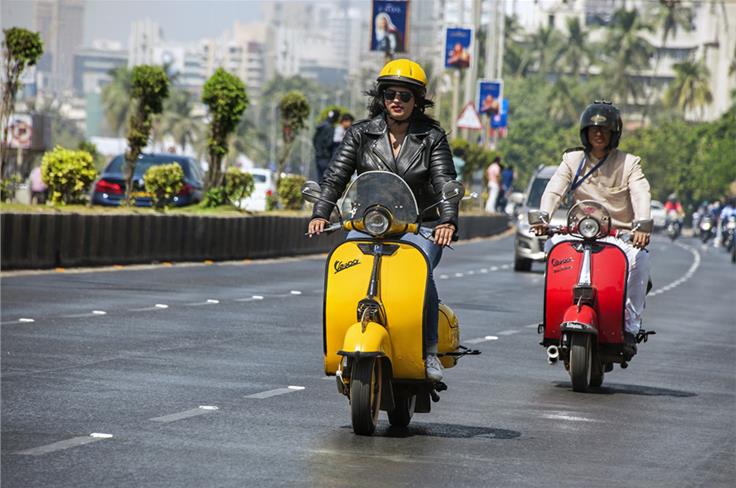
522,264
581,359
365,395
403,410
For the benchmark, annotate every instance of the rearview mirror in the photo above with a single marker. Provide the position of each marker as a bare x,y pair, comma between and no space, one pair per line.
453,191
517,198
311,191
538,217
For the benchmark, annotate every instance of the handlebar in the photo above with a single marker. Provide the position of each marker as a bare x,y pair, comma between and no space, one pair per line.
622,234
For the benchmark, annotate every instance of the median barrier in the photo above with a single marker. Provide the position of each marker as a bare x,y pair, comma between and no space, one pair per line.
42,241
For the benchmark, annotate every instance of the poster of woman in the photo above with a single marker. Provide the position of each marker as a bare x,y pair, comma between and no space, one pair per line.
489,97
457,47
388,32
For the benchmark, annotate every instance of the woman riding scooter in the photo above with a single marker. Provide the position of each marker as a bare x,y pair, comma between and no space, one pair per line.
599,171
400,138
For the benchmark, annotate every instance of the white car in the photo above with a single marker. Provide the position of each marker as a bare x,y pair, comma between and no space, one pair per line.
659,216
265,186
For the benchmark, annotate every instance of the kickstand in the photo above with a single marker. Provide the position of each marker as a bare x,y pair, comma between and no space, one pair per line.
643,335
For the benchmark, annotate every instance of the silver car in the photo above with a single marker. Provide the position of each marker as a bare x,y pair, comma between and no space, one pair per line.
529,247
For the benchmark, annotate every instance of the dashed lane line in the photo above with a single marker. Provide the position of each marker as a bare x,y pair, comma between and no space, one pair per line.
571,418
481,339
509,332
201,410
65,444
276,392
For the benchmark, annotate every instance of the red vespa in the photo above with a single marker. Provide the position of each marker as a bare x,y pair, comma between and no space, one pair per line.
585,296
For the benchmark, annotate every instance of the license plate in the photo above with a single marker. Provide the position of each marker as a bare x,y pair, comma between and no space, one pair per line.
141,194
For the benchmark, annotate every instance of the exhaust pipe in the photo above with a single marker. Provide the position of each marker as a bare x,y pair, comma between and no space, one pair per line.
553,353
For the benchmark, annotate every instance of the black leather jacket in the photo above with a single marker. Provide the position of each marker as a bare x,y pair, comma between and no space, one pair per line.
424,162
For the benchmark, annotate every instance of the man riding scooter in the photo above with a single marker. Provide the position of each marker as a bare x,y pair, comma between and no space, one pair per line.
601,172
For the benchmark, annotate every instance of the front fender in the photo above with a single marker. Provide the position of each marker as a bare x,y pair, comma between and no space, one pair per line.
580,319
374,339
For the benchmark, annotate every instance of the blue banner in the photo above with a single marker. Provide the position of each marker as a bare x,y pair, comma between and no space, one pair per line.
457,47
500,120
389,26
489,97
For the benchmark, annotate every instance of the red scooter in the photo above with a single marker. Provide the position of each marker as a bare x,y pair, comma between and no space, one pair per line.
585,296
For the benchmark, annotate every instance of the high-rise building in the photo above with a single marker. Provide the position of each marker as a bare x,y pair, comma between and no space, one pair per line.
61,25
145,36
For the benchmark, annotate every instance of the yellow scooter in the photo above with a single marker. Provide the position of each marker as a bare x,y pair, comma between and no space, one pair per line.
374,303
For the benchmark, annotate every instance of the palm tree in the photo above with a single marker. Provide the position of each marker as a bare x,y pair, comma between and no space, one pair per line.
669,16
565,104
691,88
177,121
629,54
116,99
513,50
574,52
539,50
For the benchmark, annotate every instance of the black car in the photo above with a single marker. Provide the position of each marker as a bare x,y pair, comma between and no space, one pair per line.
110,189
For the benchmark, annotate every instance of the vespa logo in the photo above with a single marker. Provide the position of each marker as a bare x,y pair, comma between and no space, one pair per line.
340,266
560,262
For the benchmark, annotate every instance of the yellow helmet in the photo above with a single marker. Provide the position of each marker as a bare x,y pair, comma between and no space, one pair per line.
403,71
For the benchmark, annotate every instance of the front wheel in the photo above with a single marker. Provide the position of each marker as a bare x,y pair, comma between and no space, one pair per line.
522,264
403,410
581,359
365,395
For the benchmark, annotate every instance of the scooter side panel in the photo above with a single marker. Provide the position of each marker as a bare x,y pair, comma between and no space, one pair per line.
403,283
609,274
561,275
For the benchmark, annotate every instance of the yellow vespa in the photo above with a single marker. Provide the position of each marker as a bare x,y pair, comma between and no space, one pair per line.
374,303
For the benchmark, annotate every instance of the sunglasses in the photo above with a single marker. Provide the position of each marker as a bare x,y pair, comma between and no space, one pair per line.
404,96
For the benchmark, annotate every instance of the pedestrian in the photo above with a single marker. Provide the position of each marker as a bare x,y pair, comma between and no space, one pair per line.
601,172
399,137
458,159
346,120
493,173
39,189
322,142
507,186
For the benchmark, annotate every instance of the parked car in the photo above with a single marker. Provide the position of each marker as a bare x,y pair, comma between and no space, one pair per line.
265,186
529,247
659,215
110,188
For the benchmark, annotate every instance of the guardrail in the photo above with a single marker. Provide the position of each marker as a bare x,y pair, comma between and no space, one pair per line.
38,241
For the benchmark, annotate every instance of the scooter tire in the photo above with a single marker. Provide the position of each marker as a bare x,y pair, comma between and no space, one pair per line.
404,403
581,361
365,395
596,379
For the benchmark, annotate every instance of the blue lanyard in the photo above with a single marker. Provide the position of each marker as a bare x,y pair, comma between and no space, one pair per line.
577,181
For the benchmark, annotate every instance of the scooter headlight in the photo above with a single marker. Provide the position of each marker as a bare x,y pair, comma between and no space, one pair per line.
589,227
376,222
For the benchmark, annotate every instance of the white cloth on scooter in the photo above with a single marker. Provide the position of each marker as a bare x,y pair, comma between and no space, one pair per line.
636,286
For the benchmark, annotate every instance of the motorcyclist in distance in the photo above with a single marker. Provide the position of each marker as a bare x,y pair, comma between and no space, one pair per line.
600,171
400,138
673,209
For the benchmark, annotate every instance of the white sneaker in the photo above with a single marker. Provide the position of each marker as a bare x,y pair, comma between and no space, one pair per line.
434,367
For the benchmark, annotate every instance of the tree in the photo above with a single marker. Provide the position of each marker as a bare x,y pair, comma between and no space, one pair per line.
224,94
116,99
22,48
177,120
149,89
691,88
540,49
629,54
574,53
294,110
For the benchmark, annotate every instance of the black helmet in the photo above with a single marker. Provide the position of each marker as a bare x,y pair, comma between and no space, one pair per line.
602,114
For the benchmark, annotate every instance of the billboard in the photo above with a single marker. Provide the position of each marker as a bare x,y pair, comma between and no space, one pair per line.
389,26
490,93
457,47
500,120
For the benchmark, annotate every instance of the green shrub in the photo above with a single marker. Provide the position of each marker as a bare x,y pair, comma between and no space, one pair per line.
68,174
238,185
215,196
8,186
163,182
290,191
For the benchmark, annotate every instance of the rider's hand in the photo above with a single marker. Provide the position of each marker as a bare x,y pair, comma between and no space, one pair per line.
539,229
640,239
316,226
443,234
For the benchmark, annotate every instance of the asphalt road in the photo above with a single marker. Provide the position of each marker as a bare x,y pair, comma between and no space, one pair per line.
105,375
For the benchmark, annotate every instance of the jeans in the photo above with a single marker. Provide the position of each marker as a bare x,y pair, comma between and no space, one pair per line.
434,254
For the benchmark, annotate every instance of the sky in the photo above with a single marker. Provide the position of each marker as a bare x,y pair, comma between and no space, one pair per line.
180,20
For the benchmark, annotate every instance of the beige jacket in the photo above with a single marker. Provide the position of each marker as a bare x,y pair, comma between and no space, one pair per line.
619,184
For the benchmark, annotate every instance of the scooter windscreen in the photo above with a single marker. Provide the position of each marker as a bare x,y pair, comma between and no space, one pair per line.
379,190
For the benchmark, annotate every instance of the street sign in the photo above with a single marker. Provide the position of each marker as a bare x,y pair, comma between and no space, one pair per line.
469,118
21,131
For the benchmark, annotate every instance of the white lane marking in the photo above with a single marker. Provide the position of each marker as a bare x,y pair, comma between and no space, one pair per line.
505,266
484,270
481,339
444,277
25,320
66,444
494,268
276,392
471,272
571,418
99,312
257,297
509,332
688,274
532,326
161,305
201,410
158,306
458,275
210,300
296,292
